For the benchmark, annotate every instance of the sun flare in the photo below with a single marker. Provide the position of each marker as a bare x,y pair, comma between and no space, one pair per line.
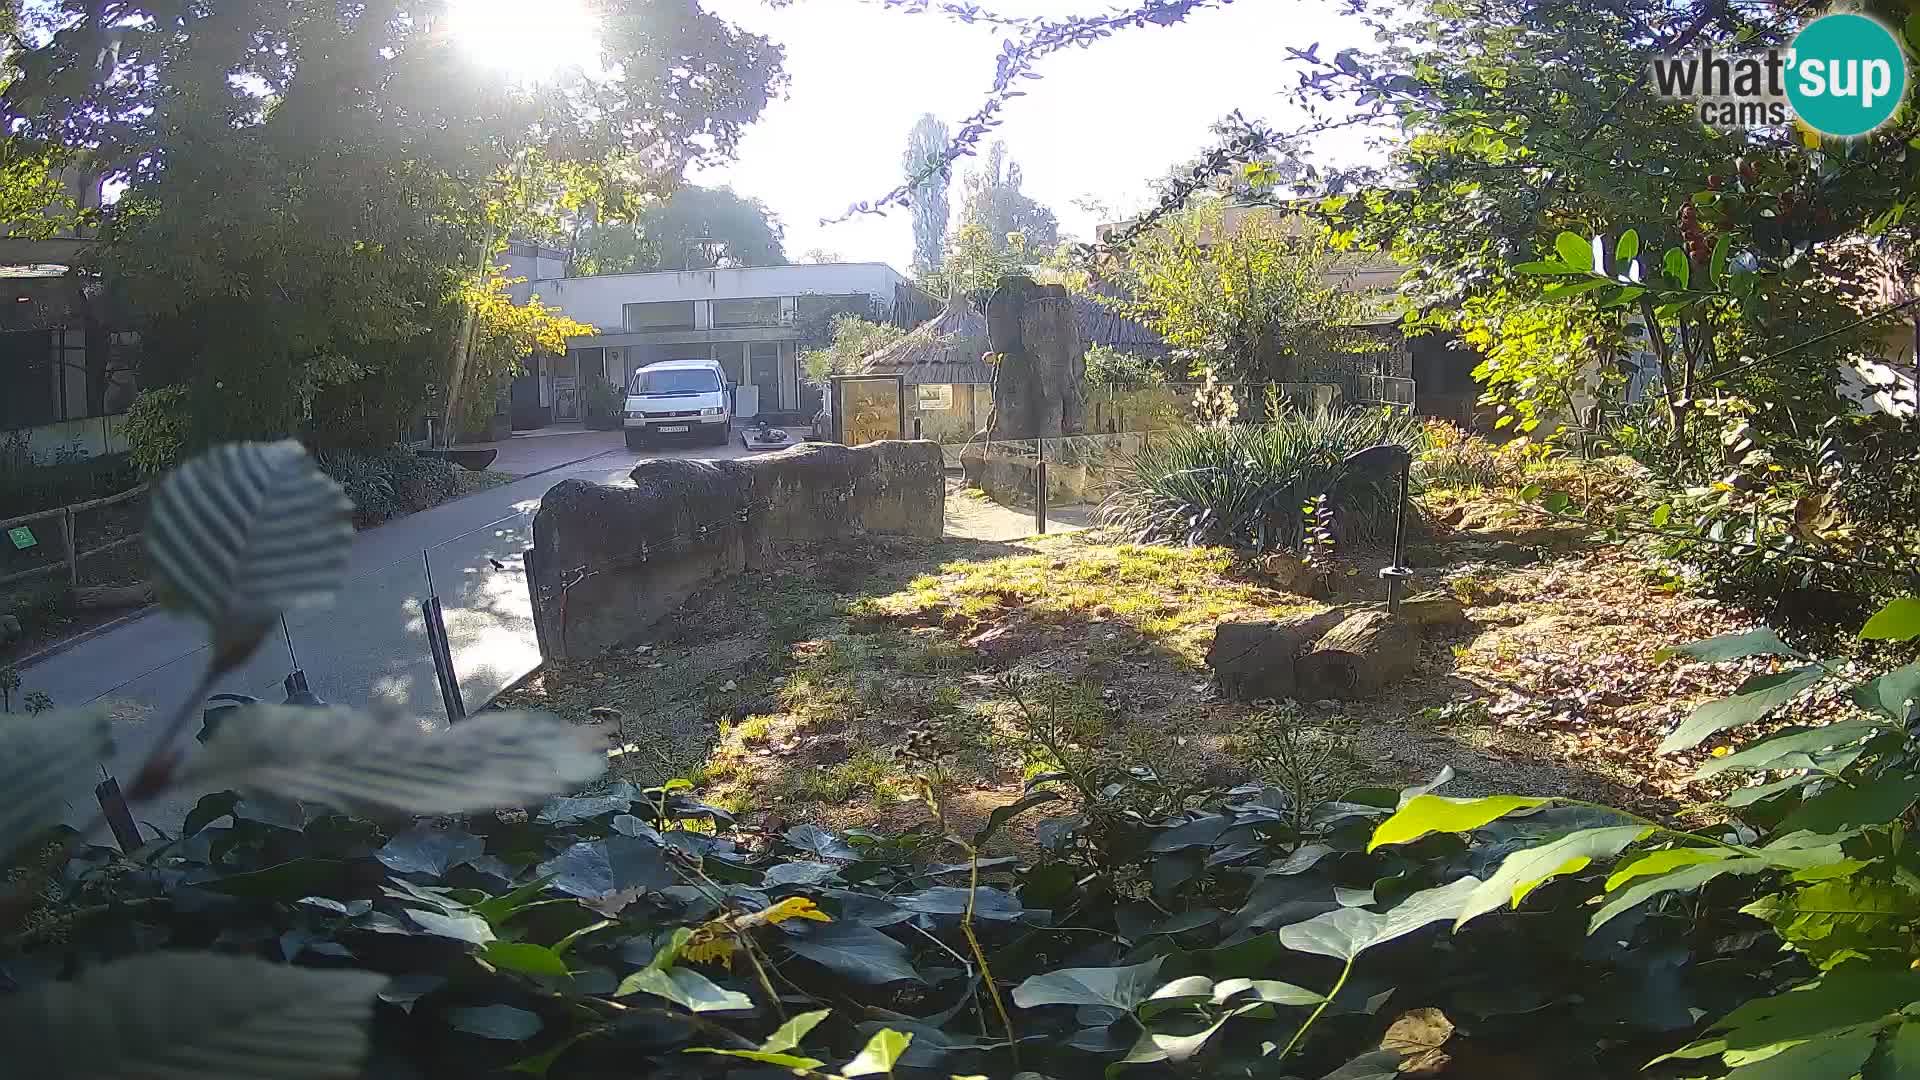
527,40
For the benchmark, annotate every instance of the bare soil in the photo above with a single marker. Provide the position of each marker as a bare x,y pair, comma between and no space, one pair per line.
827,688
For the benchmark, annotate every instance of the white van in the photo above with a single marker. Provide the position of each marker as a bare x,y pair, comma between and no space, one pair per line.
686,399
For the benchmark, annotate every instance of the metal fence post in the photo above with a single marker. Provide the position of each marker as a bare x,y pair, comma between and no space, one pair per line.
67,523
441,650
119,818
1040,492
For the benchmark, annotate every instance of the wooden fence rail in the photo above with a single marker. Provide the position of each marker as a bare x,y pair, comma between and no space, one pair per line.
72,556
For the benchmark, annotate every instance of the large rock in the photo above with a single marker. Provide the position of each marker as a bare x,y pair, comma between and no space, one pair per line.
1255,660
609,562
1041,366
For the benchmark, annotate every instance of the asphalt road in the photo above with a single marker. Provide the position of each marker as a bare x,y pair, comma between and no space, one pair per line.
369,647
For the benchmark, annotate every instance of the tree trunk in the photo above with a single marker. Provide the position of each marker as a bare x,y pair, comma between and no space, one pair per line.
1364,654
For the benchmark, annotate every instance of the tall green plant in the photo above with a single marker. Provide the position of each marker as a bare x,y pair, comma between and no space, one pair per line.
1820,822
1243,485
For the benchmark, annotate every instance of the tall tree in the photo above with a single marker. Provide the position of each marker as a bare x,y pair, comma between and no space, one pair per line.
311,188
923,163
695,228
996,204
1252,298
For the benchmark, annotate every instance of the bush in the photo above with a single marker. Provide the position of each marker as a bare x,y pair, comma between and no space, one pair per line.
1246,486
385,484
1112,370
157,429
602,404
29,482
1457,459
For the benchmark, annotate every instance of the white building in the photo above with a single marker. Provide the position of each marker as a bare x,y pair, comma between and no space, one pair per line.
754,321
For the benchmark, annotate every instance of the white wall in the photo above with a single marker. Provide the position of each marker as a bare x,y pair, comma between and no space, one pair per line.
600,299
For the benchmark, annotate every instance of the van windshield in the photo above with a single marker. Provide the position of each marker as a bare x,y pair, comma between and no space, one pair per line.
670,382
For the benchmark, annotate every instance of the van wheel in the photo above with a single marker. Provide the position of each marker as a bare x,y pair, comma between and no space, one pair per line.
636,440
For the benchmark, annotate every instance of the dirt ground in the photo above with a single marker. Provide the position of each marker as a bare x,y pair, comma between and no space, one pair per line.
823,688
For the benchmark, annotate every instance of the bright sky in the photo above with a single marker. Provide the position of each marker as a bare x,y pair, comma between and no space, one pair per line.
1103,123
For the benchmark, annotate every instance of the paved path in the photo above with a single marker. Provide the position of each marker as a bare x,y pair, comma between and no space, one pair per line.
370,646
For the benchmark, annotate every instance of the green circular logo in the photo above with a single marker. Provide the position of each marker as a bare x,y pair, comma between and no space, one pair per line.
1847,75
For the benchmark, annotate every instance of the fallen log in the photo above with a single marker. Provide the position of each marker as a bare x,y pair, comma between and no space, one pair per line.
1256,660
1358,658
113,596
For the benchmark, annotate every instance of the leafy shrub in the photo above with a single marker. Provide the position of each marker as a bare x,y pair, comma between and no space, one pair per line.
385,484
1111,369
158,426
1819,826
1452,458
30,481
1812,534
603,404
1244,485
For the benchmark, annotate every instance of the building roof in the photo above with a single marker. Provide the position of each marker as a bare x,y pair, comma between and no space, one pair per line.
945,349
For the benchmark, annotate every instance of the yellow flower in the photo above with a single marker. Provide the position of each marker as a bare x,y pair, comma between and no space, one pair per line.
793,907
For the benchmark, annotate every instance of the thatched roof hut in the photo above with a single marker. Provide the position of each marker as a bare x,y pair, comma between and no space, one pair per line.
944,349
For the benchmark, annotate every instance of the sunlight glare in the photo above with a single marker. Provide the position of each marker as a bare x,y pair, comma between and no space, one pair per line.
527,40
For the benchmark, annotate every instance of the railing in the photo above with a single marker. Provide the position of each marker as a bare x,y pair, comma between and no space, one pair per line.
84,523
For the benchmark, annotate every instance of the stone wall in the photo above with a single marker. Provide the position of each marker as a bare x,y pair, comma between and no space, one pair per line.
609,562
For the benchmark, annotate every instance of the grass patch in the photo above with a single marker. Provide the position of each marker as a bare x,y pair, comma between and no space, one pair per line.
1173,596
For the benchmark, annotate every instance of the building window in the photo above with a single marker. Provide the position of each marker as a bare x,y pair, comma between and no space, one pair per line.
809,308
664,315
754,311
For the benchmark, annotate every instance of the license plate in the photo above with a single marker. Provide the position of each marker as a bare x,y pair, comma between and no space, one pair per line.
672,429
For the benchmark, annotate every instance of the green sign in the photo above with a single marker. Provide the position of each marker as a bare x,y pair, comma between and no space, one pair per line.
22,537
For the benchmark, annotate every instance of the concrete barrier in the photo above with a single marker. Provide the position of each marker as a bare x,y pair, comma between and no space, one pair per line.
609,562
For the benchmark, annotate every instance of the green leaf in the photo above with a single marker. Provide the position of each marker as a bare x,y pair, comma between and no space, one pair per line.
1564,289
1717,268
1180,993
1898,621
1437,813
1848,996
208,810
1843,809
1546,268
525,958
1661,515
422,850
499,909
1153,1046
502,1022
1913,31
1003,814
683,986
1765,754
764,1057
286,882
880,1053
374,765
1574,250
1659,862
560,947
468,928
1372,1065
1900,1055
46,761
1685,879
1761,642
193,1016
1890,694
1858,915
1270,991
1347,932
244,532
1627,247
1115,987
1757,697
1556,502
860,953
1678,270
1523,871
788,1035
1821,1059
